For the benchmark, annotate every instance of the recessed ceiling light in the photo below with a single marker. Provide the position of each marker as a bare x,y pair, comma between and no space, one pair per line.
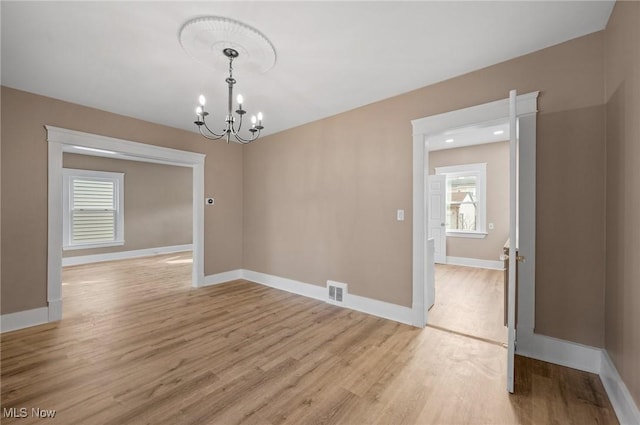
498,132
449,141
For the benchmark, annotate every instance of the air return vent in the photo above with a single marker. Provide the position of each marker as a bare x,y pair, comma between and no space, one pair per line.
336,292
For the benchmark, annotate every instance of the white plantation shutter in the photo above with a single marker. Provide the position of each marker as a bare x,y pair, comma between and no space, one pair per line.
94,210
93,216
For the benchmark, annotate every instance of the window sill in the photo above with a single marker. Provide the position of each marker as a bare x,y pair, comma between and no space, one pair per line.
92,245
472,235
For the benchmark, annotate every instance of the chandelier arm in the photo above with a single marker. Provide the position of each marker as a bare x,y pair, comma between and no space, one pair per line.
234,131
218,136
245,141
206,136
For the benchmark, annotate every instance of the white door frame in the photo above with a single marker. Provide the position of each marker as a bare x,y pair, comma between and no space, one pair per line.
435,124
61,140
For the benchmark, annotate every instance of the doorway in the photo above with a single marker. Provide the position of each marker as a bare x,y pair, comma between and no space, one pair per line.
117,209
468,218
63,140
437,124
521,112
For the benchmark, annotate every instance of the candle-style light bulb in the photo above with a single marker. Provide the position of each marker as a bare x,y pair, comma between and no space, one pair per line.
240,100
253,120
202,100
199,116
260,117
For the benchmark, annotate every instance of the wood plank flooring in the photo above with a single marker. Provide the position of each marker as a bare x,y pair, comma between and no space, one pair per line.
138,345
469,300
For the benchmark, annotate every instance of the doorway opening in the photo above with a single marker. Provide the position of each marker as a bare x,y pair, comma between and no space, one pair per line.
422,257
63,140
124,221
521,112
469,222
468,219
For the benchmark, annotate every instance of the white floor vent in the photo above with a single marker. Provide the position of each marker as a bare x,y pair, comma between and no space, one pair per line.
337,292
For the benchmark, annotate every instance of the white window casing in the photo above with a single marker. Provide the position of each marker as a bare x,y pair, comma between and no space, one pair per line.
93,209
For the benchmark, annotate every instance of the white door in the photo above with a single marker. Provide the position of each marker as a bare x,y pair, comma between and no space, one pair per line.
513,239
437,211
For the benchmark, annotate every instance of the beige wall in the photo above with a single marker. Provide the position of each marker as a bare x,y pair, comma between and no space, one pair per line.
320,203
157,202
24,188
496,156
1,258
320,200
622,290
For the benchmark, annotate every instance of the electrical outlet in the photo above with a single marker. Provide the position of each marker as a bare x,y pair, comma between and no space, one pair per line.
490,226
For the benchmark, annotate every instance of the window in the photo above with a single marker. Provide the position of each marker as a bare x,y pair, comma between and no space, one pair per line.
465,199
92,209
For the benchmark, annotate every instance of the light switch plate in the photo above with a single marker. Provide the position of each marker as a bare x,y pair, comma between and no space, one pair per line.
209,201
400,215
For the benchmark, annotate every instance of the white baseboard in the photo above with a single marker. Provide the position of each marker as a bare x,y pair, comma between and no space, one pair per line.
124,255
24,319
474,262
214,279
55,310
289,285
395,312
622,401
558,351
585,358
371,306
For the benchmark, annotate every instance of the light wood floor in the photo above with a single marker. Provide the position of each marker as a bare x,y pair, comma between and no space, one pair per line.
469,300
137,345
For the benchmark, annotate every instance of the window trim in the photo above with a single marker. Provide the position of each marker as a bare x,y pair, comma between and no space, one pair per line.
480,171
67,177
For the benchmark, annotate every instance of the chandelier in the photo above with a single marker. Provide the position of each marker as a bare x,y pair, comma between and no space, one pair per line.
204,35
232,126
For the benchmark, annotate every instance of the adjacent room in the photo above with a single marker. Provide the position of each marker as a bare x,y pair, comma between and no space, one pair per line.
320,212
469,182
116,208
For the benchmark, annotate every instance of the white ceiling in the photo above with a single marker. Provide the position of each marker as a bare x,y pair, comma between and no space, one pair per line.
125,57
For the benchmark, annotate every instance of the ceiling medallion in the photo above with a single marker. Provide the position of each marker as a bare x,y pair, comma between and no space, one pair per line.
204,38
